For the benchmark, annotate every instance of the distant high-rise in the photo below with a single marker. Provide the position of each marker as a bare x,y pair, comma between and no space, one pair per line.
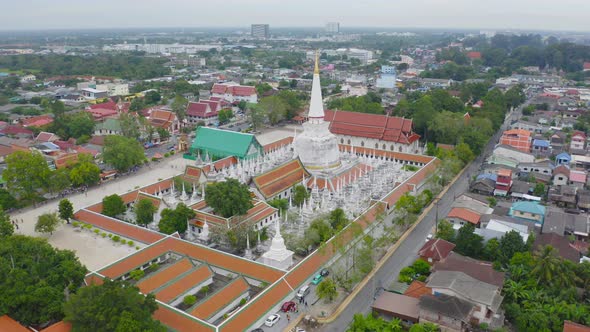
333,27
260,31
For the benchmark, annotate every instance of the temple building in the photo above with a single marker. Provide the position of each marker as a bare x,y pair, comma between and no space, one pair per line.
216,144
317,147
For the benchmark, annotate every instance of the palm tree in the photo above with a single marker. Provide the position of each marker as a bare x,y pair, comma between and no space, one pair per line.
516,292
549,268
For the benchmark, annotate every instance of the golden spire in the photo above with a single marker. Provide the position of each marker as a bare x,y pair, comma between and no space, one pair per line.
317,60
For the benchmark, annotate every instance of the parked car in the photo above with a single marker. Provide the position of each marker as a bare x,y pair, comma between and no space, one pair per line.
325,273
428,237
317,279
257,330
272,320
303,291
288,306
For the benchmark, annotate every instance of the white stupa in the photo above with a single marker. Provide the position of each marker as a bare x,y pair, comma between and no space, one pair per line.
204,236
278,255
317,147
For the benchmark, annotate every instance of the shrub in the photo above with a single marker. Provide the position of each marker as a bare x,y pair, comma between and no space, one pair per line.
172,152
243,301
137,274
104,235
110,236
116,238
96,231
166,155
154,159
189,300
136,247
153,267
75,224
130,243
204,289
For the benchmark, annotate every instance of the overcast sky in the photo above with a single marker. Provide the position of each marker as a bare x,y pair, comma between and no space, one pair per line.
479,14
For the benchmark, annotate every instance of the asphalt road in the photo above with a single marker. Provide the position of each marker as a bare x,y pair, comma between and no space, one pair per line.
407,251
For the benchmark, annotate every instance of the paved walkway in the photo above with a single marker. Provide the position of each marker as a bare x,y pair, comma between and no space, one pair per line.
94,251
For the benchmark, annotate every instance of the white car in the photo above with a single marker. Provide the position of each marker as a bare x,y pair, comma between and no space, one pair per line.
272,320
429,237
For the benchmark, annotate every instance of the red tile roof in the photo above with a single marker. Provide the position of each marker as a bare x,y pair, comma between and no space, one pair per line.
46,137
382,127
182,285
436,249
278,144
180,321
235,90
221,299
575,327
37,121
225,162
474,55
101,113
8,324
109,105
16,130
160,278
417,289
465,214
586,65
199,109
280,178
121,228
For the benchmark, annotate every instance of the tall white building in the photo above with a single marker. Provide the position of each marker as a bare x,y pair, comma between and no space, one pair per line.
260,31
333,27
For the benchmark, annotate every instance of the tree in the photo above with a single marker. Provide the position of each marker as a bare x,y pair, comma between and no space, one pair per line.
274,107
59,180
144,212
152,97
7,201
112,306
279,203
129,125
113,205
26,174
322,228
85,171
34,278
6,226
179,107
539,190
122,152
424,327
256,115
327,290
510,244
175,220
338,219
373,323
47,223
189,300
163,133
548,269
464,152
137,274
300,194
468,243
229,198
225,115
66,210
491,250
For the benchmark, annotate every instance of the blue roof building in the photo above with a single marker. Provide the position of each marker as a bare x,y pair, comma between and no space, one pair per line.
530,211
541,146
563,159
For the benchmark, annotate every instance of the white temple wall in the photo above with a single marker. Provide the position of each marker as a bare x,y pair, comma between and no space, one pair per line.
373,143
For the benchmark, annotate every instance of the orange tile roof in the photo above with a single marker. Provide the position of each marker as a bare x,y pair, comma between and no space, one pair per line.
417,289
197,252
387,154
225,162
465,214
93,279
280,178
59,327
153,188
121,228
221,299
574,327
180,321
129,197
155,201
160,278
8,324
277,144
192,172
505,172
187,282
258,307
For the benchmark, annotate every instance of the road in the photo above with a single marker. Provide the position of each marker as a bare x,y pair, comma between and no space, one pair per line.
407,251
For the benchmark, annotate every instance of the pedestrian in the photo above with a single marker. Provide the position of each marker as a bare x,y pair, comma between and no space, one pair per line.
288,318
306,303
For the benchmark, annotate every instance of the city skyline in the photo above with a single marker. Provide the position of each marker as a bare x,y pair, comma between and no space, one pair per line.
453,14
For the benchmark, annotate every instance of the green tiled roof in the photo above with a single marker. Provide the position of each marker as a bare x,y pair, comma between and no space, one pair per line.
529,207
224,143
109,124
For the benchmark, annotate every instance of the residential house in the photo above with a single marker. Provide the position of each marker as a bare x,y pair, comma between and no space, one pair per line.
472,203
37,121
564,196
513,153
91,94
391,305
480,270
532,211
496,229
564,224
417,289
529,126
518,139
580,161
483,186
578,141
102,113
567,325
541,147
448,312
577,178
435,250
544,167
461,216
16,132
561,175
584,199
560,243
503,183
563,159
486,297
558,142
46,137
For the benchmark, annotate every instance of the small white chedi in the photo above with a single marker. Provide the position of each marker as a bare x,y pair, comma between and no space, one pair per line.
317,147
278,255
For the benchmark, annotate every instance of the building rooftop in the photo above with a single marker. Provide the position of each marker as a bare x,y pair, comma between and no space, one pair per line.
437,249
480,270
448,306
466,287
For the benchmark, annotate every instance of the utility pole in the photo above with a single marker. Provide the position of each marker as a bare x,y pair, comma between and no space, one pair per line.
436,216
